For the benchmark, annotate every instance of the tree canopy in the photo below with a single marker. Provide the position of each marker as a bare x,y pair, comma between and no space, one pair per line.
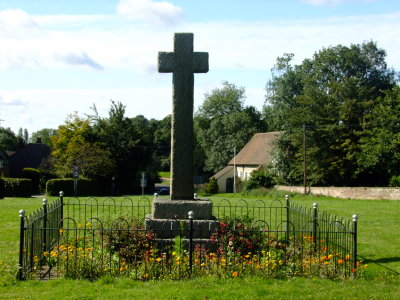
223,123
331,96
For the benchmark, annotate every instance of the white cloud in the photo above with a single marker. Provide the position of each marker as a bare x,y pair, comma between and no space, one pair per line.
153,12
16,23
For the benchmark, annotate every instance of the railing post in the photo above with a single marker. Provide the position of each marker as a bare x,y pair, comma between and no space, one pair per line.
44,225
21,244
315,218
287,217
191,216
62,209
355,221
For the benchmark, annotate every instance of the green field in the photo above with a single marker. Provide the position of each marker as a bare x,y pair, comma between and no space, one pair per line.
379,247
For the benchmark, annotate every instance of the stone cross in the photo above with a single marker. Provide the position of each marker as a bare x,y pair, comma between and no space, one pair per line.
183,62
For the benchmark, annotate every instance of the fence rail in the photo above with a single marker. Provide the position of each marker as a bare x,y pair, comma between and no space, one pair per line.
87,238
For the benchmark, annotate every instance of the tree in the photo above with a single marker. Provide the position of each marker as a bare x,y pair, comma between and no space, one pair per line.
379,160
223,123
44,135
332,95
8,140
124,140
75,145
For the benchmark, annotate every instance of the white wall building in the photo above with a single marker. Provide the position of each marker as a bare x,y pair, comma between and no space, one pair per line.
256,153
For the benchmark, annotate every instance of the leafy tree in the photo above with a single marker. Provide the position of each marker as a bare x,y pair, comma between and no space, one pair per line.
379,160
75,144
44,135
8,140
223,123
123,139
162,143
332,94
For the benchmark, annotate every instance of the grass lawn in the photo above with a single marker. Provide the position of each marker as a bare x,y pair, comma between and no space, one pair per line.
379,247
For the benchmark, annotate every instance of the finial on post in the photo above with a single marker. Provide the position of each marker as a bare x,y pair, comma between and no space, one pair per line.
191,215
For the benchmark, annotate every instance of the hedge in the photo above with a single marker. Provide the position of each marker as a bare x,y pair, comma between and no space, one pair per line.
1,188
34,175
85,187
17,187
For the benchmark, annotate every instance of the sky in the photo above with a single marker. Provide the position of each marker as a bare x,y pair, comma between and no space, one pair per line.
64,56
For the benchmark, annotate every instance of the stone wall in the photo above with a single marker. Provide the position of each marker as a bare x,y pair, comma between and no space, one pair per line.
348,192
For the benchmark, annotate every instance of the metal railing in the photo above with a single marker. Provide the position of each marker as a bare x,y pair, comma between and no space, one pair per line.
87,238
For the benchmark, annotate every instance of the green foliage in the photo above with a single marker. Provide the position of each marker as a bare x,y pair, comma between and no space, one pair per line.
44,135
380,141
8,140
212,187
333,94
86,187
34,176
260,178
17,187
394,181
75,144
223,123
2,188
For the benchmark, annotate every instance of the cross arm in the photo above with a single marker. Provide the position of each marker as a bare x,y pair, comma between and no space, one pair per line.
166,62
200,62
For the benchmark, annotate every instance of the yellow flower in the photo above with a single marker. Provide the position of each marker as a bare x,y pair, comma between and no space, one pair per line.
45,253
88,224
61,231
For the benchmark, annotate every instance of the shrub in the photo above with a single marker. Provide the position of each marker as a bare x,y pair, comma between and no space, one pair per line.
394,181
260,178
85,187
1,188
34,176
212,186
17,187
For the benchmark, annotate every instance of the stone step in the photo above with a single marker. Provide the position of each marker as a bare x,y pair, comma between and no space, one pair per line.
170,228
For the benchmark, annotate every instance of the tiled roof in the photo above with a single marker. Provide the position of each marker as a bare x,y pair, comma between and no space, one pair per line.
258,151
222,172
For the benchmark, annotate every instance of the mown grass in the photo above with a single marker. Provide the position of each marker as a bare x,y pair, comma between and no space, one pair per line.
379,240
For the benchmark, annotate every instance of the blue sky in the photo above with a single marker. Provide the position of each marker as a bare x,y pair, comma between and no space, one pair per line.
57,57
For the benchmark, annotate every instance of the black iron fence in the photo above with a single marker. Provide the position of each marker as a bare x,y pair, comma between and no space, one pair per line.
91,238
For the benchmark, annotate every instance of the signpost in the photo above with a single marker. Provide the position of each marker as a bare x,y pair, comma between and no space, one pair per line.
143,182
75,174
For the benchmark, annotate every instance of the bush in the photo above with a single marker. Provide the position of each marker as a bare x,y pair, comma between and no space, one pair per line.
85,187
212,186
34,176
17,187
260,178
394,181
1,188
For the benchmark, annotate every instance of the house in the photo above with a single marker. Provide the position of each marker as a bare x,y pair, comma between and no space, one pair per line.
256,153
29,156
